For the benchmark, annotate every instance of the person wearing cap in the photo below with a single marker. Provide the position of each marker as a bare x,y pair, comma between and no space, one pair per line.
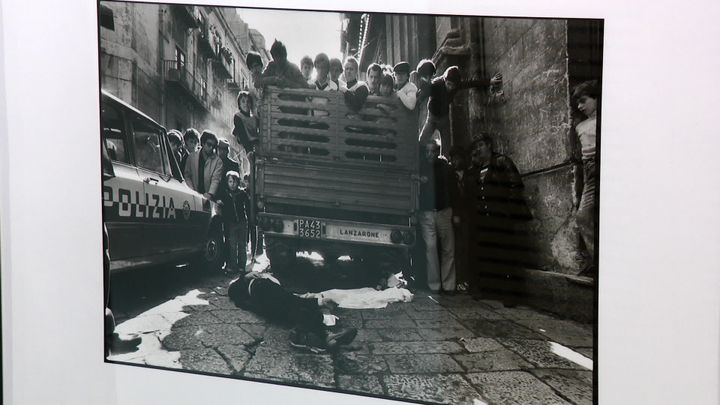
235,205
406,91
442,91
424,73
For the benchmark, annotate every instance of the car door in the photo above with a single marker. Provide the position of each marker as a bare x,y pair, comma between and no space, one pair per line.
122,191
171,230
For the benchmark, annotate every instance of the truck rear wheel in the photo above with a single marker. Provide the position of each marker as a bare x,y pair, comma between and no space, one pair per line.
280,254
383,260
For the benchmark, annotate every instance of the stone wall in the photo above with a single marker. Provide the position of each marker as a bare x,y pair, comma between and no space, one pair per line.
129,66
533,127
132,65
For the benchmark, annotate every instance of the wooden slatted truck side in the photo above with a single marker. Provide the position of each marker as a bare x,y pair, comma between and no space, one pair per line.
336,181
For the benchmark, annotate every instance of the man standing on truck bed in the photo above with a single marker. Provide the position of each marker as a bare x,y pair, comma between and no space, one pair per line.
280,72
441,92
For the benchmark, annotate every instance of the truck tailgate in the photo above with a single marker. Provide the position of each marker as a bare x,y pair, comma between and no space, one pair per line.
347,188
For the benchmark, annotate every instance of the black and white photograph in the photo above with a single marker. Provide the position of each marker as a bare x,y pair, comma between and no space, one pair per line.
336,202
402,206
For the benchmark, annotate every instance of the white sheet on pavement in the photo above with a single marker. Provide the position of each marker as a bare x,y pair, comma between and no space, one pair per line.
364,298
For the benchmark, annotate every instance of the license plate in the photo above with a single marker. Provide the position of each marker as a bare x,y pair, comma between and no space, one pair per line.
309,228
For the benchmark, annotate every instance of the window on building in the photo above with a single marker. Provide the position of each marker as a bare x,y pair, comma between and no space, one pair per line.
201,74
179,33
148,148
179,59
114,134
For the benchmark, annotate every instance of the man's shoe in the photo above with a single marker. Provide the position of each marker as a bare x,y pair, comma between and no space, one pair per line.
307,341
341,337
120,345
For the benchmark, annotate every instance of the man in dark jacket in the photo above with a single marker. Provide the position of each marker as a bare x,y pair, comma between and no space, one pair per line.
280,72
436,219
441,91
498,219
263,294
355,91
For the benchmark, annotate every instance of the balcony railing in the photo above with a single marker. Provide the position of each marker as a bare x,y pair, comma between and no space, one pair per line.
194,86
188,14
206,42
223,66
233,85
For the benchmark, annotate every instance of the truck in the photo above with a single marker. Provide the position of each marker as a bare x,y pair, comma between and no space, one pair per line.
336,181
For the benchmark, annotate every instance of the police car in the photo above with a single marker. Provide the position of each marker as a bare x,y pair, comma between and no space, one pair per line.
152,216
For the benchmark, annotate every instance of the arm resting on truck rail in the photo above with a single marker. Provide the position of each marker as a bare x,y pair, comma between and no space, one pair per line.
408,95
355,99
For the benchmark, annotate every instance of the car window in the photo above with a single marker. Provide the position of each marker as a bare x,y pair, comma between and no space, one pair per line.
164,155
148,150
114,135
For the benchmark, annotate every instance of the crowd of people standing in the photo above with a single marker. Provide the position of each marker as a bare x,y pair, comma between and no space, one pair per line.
472,213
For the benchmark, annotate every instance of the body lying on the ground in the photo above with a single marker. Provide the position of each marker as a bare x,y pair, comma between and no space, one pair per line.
262,293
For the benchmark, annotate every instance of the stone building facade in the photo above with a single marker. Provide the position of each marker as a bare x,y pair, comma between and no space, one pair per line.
181,65
541,60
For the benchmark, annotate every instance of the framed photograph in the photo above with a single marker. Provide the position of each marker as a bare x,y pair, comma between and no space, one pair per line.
391,205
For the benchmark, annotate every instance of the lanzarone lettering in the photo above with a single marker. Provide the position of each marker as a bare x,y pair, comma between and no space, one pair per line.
360,233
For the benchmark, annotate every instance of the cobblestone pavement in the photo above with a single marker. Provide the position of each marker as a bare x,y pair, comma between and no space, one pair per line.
436,349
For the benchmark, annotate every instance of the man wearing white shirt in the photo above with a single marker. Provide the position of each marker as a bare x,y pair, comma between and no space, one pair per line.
322,68
406,91
322,82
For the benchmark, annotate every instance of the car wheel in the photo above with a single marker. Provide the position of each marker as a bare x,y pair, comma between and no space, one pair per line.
212,256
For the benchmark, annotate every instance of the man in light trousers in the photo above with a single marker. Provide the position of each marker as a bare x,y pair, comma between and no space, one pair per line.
436,219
